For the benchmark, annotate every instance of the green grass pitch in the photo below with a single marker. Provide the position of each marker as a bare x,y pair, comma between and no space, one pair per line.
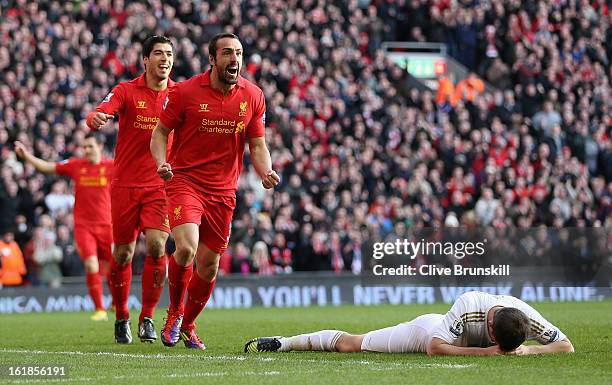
87,348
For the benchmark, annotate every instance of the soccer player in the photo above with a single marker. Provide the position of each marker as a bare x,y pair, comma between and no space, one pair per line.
478,324
138,199
92,221
212,115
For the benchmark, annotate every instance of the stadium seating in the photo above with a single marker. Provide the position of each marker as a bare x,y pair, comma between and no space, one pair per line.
359,155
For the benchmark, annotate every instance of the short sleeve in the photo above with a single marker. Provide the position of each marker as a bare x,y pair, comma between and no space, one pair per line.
451,327
113,102
540,329
172,110
257,125
65,168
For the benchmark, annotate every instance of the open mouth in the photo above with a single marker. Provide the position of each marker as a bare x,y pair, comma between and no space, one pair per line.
232,71
164,67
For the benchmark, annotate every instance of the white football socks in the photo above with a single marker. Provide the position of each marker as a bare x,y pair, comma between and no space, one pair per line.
321,340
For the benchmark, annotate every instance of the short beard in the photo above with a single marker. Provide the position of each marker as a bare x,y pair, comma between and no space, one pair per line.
222,77
230,82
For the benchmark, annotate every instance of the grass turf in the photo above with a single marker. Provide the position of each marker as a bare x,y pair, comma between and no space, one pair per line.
87,348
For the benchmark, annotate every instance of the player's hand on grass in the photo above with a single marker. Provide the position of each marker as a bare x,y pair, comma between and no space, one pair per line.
270,180
165,171
21,150
522,350
493,351
100,119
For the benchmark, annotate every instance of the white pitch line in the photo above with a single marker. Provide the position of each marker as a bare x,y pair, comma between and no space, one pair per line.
199,374
127,355
449,366
224,358
425,366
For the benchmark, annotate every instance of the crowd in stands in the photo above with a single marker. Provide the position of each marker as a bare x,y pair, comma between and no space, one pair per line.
361,155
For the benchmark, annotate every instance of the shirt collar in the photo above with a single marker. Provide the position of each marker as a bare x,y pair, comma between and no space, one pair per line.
141,82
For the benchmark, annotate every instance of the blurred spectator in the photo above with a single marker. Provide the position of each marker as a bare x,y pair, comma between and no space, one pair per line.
48,257
445,92
261,259
281,254
546,119
485,208
12,266
242,261
71,262
23,231
9,205
59,201
468,88
498,74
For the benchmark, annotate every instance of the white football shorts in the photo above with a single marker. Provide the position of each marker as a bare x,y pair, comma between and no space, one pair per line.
407,337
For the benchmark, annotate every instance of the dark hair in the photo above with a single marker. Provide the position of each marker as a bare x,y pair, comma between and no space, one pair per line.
510,328
149,43
212,46
98,137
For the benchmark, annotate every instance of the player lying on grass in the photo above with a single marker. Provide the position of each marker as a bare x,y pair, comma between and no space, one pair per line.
478,324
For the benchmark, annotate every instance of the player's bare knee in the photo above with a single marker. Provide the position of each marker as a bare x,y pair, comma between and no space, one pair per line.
91,265
156,247
184,254
349,343
123,256
207,270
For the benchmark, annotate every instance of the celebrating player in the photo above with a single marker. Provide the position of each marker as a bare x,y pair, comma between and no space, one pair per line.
138,199
212,115
478,324
92,220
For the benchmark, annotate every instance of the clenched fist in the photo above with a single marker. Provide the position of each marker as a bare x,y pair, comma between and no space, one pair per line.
270,180
165,171
100,119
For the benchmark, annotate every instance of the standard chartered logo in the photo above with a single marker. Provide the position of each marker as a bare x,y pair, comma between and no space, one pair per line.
145,122
221,126
92,181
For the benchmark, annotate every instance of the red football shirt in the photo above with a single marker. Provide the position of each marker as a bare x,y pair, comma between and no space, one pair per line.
210,131
92,189
138,107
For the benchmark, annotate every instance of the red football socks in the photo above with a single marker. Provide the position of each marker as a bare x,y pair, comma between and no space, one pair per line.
197,296
104,271
94,284
110,290
178,280
153,278
121,278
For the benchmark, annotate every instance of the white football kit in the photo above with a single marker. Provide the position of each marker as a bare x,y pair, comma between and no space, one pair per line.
465,325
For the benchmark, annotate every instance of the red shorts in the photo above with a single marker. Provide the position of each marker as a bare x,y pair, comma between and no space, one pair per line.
94,240
135,209
212,213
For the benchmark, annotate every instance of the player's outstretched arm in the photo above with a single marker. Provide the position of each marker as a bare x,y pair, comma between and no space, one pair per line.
439,347
39,164
159,145
260,157
112,104
563,346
